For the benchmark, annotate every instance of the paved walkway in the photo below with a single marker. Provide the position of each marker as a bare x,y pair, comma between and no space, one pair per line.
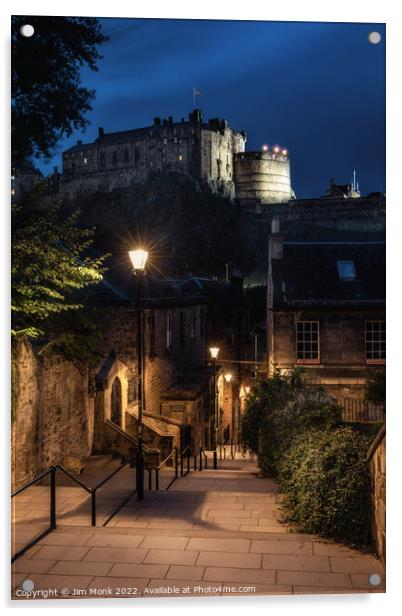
213,533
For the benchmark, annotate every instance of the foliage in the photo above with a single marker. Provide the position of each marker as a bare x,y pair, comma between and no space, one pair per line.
308,409
268,396
376,388
326,483
280,407
48,100
49,263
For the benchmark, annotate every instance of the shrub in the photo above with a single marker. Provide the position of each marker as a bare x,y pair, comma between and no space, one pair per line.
326,483
307,409
269,395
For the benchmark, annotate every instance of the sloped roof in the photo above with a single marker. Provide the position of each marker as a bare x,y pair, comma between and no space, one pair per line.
308,273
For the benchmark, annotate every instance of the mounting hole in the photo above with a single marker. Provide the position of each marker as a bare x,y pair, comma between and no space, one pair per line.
28,585
374,38
27,30
375,579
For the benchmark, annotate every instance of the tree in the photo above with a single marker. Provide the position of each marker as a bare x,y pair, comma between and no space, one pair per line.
50,264
48,99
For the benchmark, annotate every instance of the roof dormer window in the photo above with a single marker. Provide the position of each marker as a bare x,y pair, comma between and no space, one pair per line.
346,270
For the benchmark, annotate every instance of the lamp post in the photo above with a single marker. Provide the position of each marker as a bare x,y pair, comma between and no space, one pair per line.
214,356
138,259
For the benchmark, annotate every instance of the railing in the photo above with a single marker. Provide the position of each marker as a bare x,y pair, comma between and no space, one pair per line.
174,457
53,512
356,410
230,443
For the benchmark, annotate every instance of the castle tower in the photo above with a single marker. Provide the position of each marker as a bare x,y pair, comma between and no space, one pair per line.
263,177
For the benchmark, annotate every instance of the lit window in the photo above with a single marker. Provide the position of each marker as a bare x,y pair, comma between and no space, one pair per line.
85,161
375,342
346,270
308,342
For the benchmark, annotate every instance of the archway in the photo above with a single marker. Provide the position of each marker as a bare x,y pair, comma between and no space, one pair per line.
115,405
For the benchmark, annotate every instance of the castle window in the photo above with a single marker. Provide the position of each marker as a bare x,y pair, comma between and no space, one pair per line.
308,342
375,342
180,157
102,159
126,156
114,158
85,161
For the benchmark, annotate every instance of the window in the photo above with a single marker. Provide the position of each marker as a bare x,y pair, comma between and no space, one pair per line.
114,158
375,342
308,342
126,156
168,331
151,335
346,270
102,159
115,403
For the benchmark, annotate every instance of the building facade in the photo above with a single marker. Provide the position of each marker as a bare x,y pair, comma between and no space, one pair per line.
326,313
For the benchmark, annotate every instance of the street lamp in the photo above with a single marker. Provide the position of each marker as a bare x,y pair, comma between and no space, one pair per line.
138,259
214,356
228,377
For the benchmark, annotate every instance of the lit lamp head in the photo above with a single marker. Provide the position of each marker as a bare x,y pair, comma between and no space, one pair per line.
247,390
276,149
284,152
265,147
228,377
138,259
214,352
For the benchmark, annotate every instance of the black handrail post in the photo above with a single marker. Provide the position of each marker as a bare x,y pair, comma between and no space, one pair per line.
215,459
200,459
53,497
188,461
195,461
149,479
157,479
176,457
181,465
93,507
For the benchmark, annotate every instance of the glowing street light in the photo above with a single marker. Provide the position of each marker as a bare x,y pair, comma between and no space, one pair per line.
228,377
138,259
214,356
276,149
284,152
214,352
265,147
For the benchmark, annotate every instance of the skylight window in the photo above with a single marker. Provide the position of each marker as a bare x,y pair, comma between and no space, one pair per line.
346,270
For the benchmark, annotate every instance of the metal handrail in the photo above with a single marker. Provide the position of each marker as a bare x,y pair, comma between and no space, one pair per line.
53,513
174,454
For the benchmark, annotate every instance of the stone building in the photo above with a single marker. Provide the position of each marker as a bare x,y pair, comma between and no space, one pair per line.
326,313
202,150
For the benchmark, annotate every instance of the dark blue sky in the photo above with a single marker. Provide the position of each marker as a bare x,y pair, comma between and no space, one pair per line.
316,88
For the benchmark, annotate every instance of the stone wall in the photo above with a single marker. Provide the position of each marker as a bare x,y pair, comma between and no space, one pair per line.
377,460
53,415
342,367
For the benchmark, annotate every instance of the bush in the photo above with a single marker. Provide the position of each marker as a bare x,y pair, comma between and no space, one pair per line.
326,483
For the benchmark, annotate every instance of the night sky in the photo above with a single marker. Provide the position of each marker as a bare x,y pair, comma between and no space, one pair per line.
317,89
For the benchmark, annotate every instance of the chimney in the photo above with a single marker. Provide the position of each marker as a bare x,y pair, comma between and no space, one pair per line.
101,132
157,121
275,240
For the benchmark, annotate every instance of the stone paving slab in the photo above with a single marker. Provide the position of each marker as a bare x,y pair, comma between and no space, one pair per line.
208,536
